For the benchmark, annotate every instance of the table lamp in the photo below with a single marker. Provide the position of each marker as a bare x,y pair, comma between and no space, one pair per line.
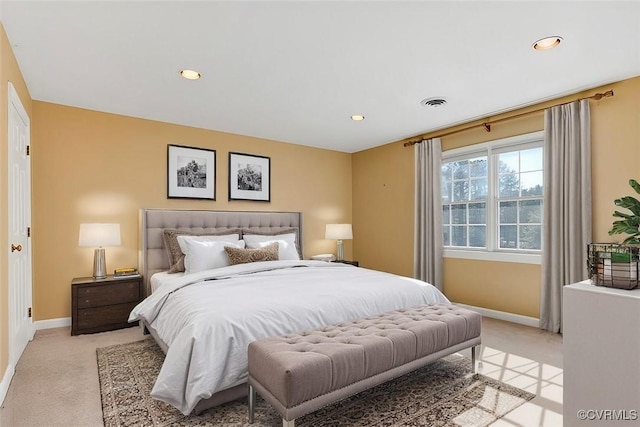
339,232
99,235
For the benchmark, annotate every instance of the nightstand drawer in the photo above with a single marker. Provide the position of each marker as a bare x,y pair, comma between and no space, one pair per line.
105,316
104,295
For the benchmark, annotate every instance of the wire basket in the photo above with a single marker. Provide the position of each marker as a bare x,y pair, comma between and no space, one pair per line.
614,265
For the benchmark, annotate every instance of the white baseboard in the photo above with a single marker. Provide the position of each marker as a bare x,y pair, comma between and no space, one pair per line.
52,323
6,381
503,315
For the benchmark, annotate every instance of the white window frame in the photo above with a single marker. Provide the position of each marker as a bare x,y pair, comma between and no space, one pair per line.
492,252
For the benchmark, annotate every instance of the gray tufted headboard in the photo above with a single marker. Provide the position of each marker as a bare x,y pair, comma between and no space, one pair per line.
153,257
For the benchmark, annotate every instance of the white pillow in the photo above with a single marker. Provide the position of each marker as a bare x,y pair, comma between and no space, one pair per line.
204,254
286,244
210,238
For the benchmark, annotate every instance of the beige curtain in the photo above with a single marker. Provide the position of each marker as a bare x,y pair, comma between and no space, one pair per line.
428,242
567,205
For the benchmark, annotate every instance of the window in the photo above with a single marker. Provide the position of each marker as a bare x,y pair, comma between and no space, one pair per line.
520,199
464,201
492,196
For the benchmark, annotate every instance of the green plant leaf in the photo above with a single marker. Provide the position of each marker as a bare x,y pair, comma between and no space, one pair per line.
630,203
631,240
620,227
630,223
621,214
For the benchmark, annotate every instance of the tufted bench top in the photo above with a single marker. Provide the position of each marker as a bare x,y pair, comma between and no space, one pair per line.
299,367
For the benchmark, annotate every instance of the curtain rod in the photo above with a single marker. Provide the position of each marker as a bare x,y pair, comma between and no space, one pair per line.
487,124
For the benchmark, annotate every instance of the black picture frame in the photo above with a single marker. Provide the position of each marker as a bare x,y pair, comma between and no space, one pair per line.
191,172
249,177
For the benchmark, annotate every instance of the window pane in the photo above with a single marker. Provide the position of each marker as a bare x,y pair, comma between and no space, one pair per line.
446,171
460,191
477,213
531,183
509,185
458,214
508,212
445,214
478,167
531,211
530,237
446,192
459,235
460,169
508,236
477,236
531,160
478,189
509,162
446,235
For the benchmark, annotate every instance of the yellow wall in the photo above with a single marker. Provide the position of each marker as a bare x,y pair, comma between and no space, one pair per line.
9,72
384,221
96,167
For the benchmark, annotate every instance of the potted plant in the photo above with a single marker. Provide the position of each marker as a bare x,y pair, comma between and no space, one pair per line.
630,223
618,264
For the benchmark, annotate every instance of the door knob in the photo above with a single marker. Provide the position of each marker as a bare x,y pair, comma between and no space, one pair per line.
16,248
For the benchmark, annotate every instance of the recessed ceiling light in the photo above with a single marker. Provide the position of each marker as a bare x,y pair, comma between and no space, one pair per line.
357,118
547,43
190,74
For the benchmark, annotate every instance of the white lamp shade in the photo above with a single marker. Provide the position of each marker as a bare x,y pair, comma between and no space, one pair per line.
99,235
338,232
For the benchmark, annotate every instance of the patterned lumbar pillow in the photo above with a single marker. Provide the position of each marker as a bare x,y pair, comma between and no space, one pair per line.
243,256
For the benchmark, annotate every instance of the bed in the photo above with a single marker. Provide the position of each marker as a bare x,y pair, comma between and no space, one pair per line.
205,319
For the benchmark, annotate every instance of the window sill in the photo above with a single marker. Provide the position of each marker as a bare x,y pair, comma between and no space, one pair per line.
522,258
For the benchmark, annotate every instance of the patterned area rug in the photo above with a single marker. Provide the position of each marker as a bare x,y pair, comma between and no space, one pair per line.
443,393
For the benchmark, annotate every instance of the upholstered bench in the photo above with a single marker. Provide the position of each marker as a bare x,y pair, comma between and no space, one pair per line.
300,373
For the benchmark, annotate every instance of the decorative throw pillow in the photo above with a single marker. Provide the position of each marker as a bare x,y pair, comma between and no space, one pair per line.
243,256
175,254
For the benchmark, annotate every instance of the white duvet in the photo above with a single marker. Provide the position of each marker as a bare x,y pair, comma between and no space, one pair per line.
209,318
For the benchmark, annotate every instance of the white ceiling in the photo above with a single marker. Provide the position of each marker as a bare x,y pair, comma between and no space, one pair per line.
296,71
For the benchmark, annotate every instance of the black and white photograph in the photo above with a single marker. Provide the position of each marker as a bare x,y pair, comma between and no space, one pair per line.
190,172
249,177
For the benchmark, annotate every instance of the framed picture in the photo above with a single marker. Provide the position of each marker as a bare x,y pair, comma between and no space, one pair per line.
249,177
191,173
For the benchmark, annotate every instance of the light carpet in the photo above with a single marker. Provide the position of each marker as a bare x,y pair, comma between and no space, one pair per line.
443,393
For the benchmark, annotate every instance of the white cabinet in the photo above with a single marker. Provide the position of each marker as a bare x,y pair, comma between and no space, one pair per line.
601,349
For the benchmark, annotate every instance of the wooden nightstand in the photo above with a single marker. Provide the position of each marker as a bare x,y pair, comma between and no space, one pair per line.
344,261
99,305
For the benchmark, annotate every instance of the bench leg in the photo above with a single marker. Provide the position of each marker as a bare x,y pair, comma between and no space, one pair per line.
286,423
252,403
473,359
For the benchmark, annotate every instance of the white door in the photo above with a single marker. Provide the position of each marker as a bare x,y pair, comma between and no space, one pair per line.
21,328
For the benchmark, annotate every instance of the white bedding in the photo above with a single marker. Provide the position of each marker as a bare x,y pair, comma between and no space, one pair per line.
159,279
208,324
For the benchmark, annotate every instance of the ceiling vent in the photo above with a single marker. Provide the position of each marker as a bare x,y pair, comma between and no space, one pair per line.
433,102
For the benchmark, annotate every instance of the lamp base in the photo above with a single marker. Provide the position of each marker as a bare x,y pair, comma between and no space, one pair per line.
99,264
340,254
